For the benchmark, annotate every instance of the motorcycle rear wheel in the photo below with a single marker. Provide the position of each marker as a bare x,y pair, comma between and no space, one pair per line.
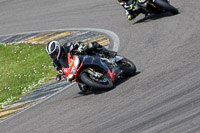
166,6
128,67
104,86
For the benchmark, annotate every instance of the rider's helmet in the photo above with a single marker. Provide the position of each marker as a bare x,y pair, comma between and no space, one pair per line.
53,49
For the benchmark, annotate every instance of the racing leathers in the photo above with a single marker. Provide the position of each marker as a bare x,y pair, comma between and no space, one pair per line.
132,10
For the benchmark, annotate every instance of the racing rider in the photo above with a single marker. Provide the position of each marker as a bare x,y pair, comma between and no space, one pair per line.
59,53
132,10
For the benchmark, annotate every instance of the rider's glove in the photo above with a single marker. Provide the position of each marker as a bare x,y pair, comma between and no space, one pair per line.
81,48
69,47
80,43
129,7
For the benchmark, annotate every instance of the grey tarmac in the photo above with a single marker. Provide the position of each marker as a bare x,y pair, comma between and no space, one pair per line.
164,97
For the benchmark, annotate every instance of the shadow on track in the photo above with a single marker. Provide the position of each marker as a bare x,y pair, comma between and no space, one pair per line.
97,92
155,17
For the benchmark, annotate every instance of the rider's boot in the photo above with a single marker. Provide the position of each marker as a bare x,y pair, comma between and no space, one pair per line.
130,17
132,14
101,49
84,88
108,53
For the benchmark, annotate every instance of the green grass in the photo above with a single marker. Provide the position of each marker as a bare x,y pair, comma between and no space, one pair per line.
23,67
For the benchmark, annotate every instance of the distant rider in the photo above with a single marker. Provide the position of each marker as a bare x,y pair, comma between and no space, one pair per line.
59,53
132,10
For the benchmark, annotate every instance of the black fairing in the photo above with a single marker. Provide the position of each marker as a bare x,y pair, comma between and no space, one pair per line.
93,61
157,10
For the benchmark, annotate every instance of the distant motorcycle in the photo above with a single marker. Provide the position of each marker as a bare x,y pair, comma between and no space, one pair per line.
156,6
97,71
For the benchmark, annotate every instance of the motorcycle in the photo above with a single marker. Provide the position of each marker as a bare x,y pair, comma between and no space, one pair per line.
156,6
97,71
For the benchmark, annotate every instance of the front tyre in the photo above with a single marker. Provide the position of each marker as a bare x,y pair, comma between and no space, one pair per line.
104,84
166,6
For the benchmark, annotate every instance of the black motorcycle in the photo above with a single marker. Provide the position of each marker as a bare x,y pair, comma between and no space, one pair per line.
156,6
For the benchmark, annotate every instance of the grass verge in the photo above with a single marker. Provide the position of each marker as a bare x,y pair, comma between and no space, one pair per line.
23,66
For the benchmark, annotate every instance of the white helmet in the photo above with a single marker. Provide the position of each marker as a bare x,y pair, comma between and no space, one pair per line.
53,49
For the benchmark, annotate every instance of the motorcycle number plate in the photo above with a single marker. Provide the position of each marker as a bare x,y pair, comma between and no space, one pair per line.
65,70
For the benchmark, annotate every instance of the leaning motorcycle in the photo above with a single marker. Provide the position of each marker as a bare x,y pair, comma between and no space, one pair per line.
156,6
97,71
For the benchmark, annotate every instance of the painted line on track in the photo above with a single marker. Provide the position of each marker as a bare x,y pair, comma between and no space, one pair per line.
48,90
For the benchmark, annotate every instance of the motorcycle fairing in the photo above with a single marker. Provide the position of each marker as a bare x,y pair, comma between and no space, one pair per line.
94,60
112,74
97,61
73,68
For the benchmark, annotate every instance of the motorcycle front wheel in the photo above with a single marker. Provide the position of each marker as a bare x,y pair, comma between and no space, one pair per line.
104,84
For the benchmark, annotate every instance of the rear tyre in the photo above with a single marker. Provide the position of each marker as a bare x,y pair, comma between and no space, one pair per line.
103,84
166,6
128,67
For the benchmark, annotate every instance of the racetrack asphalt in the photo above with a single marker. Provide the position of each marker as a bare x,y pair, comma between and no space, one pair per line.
163,98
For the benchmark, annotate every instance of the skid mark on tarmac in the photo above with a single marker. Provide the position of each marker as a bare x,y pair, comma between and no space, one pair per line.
47,90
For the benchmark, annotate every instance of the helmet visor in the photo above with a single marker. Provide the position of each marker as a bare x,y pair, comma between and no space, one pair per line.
54,54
